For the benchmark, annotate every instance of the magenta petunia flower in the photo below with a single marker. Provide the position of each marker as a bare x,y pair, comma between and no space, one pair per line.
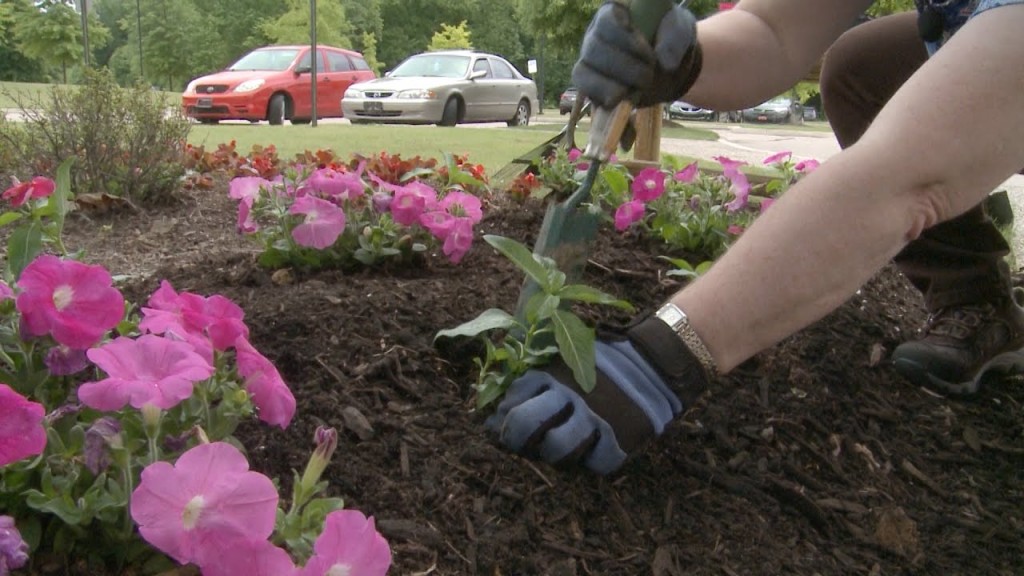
777,158
687,175
271,396
21,192
208,498
628,213
13,549
322,225
648,185
459,240
766,203
144,370
462,204
741,188
250,557
349,544
194,318
74,302
21,426
407,206
245,223
734,229
807,166
5,292
438,222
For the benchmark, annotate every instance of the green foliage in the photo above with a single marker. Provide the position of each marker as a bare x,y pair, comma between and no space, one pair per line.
292,27
124,141
451,37
514,345
368,47
165,61
886,7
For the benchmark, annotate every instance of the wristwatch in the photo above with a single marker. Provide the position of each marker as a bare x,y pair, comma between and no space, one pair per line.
677,320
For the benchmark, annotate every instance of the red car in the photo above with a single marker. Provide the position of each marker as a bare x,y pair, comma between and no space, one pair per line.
274,83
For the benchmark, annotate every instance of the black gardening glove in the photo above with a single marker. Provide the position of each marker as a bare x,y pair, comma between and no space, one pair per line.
644,379
616,61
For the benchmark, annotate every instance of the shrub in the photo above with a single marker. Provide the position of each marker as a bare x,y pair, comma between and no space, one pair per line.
124,140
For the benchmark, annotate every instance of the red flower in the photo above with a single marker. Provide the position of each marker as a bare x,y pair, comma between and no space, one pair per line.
38,187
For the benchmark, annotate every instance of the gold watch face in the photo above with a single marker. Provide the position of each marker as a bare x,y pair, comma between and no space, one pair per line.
671,316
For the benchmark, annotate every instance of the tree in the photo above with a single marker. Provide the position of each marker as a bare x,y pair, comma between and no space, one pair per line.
410,24
173,31
369,50
451,37
292,27
51,33
13,64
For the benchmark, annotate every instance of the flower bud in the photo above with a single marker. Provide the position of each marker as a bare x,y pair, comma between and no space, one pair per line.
326,442
13,550
104,434
151,419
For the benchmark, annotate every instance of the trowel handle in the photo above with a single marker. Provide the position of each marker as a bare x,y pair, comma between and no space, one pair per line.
607,127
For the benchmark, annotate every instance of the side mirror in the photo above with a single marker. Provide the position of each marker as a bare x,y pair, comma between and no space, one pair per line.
477,74
387,73
302,69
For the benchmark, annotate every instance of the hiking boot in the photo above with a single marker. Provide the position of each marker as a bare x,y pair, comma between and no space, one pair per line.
960,345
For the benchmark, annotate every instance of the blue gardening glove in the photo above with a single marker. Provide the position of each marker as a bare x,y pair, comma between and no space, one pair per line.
616,61
643,381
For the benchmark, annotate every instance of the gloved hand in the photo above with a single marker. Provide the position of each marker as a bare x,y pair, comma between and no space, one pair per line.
644,380
616,61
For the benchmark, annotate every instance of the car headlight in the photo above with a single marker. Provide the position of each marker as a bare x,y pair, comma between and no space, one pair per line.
353,93
420,94
250,85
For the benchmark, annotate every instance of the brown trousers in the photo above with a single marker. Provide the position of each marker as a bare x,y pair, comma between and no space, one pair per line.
959,261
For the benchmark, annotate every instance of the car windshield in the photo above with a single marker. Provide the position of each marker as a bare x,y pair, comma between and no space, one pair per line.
273,59
437,65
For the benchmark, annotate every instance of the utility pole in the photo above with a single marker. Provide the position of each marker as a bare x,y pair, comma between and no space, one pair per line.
83,7
138,29
312,48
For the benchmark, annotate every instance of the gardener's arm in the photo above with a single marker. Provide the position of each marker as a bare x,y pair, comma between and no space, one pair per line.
761,48
922,161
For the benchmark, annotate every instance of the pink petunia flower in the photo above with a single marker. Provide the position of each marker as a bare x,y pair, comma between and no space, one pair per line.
349,544
38,187
194,318
648,185
459,240
21,426
144,370
337,184
777,158
245,223
411,201
735,229
741,188
575,154
322,225
438,222
628,213
247,187
74,302
250,557
766,203
807,166
729,166
208,498
271,396
687,175
462,204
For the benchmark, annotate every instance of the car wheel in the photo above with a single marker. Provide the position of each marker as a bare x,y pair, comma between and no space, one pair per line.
298,121
276,110
522,117
450,116
209,121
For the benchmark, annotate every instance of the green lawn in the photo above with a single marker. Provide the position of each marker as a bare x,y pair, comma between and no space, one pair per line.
492,147
11,92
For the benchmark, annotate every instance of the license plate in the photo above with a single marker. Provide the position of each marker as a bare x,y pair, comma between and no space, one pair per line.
373,106
763,118
204,103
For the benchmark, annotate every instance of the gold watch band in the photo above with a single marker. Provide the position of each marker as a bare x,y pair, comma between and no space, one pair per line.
677,320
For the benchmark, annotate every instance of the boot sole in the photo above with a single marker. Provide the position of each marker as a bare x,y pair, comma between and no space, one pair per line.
1005,364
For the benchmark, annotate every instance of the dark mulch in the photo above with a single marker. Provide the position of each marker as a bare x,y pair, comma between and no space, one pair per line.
812,458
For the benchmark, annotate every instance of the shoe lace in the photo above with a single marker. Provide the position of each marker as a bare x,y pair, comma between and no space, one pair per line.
958,321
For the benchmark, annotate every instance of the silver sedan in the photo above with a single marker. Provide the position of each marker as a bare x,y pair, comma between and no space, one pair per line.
446,87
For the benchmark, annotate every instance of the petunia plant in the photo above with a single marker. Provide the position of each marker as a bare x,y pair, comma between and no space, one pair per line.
117,430
343,215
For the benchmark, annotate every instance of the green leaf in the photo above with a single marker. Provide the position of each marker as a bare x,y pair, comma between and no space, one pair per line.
541,307
616,181
10,217
576,346
521,256
60,201
583,293
492,319
25,243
